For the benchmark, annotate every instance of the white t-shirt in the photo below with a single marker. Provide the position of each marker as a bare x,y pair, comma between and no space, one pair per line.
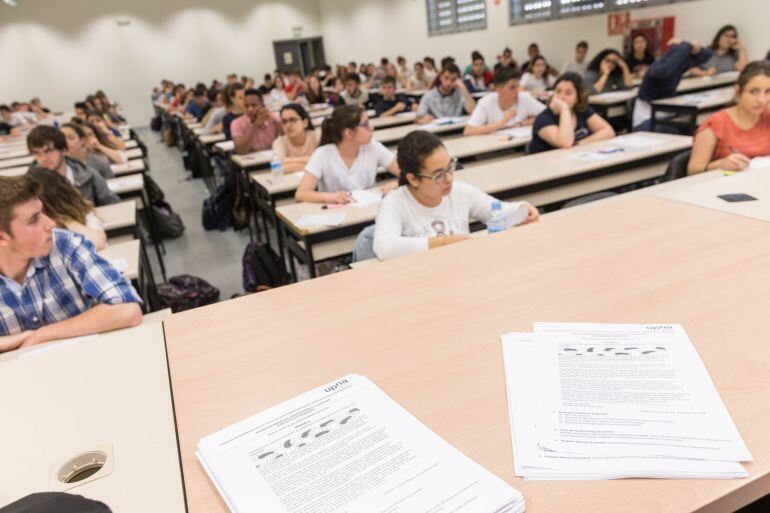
530,83
404,225
333,174
488,110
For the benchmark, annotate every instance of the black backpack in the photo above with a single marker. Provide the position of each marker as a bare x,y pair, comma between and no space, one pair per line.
216,210
262,268
170,224
55,502
185,292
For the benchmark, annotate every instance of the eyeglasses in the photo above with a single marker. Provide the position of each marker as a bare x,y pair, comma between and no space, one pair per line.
289,121
440,175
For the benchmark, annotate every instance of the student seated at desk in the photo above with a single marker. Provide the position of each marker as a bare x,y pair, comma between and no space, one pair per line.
346,160
49,147
334,98
234,100
314,92
67,208
353,94
105,134
431,72
449,98
391,103
96,143
277,96
663,76
12,119
429,209
77,148
733,136
640,56
505,108
568,120
299,141
608,72
212,121
578,63
418,79
728,54
478,77
257,128
53,284
199,105
537,79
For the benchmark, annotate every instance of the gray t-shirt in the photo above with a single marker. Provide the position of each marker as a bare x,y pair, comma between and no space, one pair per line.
442,106
614,82
723,63
99,163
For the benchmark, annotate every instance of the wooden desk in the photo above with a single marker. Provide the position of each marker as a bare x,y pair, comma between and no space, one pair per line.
16,162
14,171
695,84
134,153
132,166
617,262
404,118
689,110
12,153
754,183
544,179
63,399
128,185
392,136
118,219
129,251
131,143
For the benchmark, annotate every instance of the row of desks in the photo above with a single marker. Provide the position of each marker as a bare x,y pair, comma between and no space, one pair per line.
646,256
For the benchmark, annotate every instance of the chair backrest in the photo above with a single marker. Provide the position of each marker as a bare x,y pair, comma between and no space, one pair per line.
588,198
677,168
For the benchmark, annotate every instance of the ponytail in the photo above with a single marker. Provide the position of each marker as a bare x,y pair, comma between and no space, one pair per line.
343,117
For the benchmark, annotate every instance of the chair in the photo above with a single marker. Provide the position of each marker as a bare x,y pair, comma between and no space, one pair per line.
677,168
588,198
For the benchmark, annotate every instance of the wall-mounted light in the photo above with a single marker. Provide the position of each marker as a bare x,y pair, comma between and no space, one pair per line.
12,3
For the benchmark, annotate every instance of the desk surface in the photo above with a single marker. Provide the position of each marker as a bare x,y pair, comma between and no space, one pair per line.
694,83
132,166
617,262
126,184
128,251
702,100
14,171
117,215
62,400
16,162
134,153
395,134
754,183
403,118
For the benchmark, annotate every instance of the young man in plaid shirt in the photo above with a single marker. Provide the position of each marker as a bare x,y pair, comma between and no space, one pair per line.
53,284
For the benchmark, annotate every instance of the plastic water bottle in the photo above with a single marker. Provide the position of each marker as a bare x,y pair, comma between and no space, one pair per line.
497,222
276,170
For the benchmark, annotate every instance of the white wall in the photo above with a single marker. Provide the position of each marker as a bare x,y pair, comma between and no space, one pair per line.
61,50
366,30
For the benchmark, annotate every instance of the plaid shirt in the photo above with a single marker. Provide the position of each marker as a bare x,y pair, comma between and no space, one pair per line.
66,283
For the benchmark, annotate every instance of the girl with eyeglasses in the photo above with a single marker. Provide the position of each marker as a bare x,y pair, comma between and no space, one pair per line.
299,141
346,160
430,209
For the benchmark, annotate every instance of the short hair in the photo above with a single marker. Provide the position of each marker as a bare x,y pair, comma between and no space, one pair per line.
14,191
476,55
200,90
43,135
446,61
253,92
353,77
582,44
352,63
413,150
5,108
451,68
753,69
388,80
82,106
505,74
384,61
267,77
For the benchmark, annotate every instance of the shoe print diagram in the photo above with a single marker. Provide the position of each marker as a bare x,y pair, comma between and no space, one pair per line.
304,438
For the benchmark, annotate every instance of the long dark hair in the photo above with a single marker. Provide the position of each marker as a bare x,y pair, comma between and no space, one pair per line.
715,42
412,152
752,69
343,117
595,64
648,55
301,112
582,92
62,202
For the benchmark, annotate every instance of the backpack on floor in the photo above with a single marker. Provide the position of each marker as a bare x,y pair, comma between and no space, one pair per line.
170,224
185,292
216,210
55,502
262,268
156,124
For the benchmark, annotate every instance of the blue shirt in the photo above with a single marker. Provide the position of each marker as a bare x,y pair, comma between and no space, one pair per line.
195,110
70,280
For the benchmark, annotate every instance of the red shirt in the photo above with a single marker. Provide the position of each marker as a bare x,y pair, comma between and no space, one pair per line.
754,142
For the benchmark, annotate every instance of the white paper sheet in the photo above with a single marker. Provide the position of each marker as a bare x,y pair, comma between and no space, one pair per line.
311,220
590,156
518,132
532,461
640,142
364,198
121,264
346,447
631,390
759,163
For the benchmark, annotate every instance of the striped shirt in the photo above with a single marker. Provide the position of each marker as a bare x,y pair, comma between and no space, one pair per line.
66,283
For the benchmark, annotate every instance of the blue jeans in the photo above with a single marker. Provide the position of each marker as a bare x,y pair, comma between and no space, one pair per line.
364,246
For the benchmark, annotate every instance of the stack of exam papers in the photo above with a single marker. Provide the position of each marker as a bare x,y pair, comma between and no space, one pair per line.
347,447
607,401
